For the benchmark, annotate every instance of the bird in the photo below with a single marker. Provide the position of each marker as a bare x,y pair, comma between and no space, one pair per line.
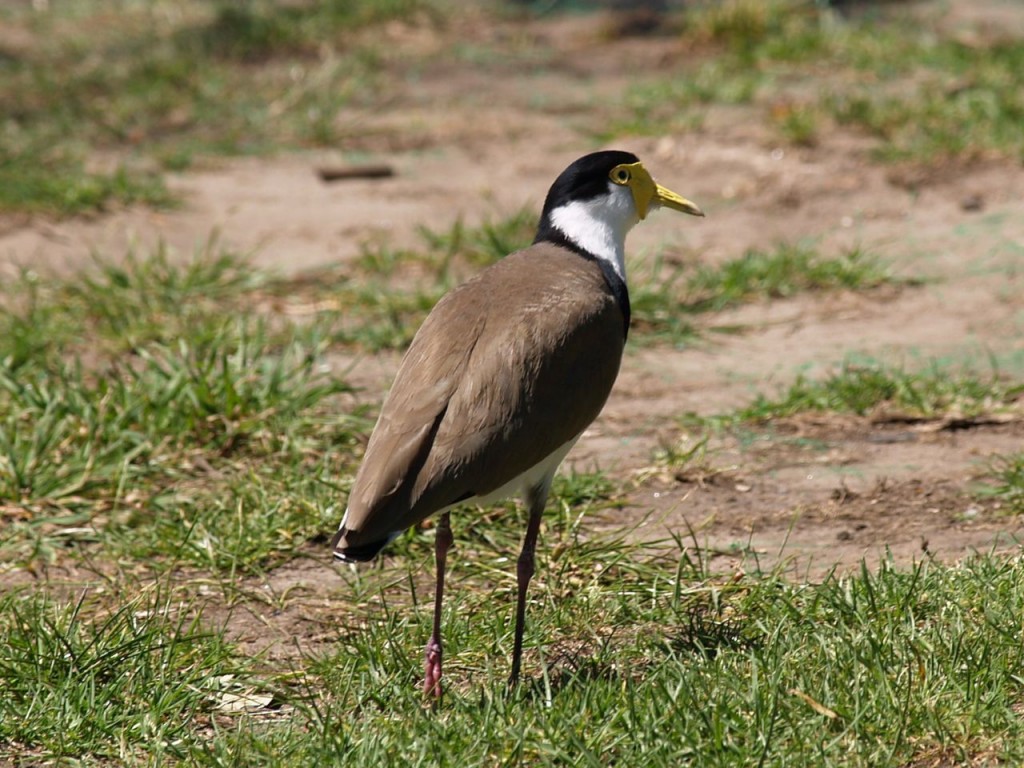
503,376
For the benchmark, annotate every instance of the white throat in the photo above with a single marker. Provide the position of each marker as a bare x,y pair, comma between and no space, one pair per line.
599,225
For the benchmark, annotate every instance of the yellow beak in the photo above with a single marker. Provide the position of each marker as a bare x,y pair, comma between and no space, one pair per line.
647,193
669,199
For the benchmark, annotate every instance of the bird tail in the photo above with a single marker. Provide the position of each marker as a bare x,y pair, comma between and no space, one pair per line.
357,553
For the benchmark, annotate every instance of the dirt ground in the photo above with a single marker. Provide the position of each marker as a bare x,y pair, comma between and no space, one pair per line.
820,490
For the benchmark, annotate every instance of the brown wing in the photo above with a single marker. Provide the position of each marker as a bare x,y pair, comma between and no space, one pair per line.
505,370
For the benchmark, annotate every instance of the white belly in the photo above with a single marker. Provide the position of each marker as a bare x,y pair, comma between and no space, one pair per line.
531,478
540,472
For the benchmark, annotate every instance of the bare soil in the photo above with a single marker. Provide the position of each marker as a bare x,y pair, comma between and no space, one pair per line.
815,491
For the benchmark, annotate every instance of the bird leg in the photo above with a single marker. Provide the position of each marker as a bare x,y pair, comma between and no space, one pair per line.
536,497
432,665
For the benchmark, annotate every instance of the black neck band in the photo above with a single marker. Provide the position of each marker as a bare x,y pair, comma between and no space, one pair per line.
615,283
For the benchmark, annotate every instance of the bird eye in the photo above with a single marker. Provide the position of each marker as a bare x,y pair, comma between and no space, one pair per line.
620,175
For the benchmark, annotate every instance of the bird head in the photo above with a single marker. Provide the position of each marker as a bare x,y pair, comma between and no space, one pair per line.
598,199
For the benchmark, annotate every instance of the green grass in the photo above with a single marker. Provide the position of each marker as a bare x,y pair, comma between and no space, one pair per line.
67,429
146,86
640,661
381,302
861,389
121,305
784,272
147,401
932,393
136,683
1004,482
174,455
394,289
630,658
153,405
105,96
255,30
485,244
924,96
175,448
163,410
37,181
965,105
456,247
160,297
244,522
650,663
667,298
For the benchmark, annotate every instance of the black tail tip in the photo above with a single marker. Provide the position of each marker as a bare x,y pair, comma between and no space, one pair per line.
359,553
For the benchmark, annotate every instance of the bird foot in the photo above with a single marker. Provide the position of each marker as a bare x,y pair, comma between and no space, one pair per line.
432,670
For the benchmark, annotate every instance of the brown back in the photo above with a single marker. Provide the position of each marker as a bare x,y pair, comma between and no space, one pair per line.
506,369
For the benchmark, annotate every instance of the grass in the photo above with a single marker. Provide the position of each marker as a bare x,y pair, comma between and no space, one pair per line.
926,97
129,685
1004,482
152,406
861,389
885,391
652,663
175,452
485,244
107,96
641,660
382,303
932,393
256,30
784,272
120,306
394,289
175,447
666,298
154,86
131,395
66,431
36,181
964,105
148,403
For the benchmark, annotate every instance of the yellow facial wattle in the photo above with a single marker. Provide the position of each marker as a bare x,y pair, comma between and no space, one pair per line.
647,192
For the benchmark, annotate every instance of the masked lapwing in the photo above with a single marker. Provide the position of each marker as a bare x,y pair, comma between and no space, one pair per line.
504,375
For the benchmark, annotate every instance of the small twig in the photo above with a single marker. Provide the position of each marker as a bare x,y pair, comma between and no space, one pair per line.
343,172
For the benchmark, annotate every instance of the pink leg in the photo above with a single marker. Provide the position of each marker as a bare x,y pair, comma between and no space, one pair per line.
432,665
524,571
